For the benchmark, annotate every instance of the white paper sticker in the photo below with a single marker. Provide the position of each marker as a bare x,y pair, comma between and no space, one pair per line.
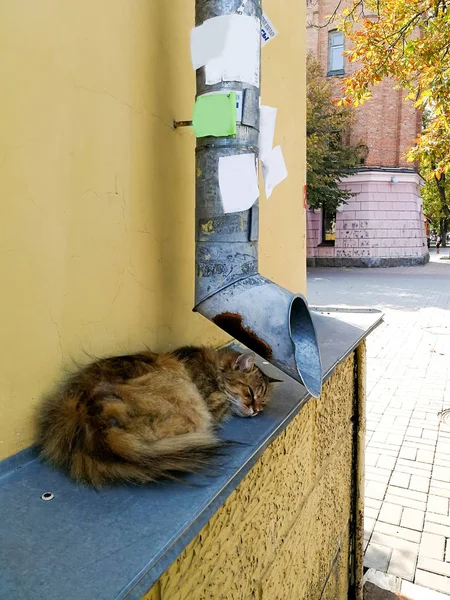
267,117
274,170
239,60
268,31
238,182
208,40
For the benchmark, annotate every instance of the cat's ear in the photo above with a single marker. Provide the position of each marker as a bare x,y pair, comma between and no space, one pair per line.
272,380
244,362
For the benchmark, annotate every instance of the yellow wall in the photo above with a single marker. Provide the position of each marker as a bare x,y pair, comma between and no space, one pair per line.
286,527
97,189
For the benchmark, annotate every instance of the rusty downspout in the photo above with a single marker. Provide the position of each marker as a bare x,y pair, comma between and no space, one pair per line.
229,291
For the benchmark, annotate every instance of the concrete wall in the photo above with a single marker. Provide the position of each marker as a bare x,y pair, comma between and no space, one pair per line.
285,529
97,227
382,225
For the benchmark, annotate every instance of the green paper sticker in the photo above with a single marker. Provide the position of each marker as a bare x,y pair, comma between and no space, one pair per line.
215,115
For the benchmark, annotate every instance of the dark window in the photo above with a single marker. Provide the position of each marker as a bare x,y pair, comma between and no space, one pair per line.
328,227
335,52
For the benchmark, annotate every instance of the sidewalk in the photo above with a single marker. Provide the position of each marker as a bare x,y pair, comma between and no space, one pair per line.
407,519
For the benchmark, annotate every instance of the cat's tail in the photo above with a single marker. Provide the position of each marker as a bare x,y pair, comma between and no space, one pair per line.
86,437
162,459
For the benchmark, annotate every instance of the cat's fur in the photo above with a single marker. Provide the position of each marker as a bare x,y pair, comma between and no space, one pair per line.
146,416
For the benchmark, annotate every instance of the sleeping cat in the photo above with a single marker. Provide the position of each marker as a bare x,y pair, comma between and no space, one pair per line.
144,416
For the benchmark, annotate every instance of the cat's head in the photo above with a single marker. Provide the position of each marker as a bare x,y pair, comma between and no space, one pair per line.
247,387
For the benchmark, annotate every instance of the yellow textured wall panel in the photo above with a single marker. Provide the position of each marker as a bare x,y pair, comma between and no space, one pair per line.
97,227
277,536
305,558
248,529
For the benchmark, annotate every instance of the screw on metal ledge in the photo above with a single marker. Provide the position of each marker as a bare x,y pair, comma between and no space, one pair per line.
47,496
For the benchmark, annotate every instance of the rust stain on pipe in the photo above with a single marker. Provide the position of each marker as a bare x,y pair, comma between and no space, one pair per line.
232,323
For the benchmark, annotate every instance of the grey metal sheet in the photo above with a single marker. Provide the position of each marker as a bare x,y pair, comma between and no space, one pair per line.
114,544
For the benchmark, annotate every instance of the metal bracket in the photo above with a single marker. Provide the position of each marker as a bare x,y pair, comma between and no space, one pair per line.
177,124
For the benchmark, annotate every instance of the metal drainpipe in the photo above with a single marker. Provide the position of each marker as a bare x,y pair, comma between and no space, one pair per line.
229,291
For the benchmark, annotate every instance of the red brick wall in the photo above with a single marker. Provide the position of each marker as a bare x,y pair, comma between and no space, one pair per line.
386,124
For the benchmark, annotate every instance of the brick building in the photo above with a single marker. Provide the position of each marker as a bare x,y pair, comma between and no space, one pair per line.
383,224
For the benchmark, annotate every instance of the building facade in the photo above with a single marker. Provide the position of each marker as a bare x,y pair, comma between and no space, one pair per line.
383,223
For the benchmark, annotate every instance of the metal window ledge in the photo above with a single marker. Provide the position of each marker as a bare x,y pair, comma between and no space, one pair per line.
115,543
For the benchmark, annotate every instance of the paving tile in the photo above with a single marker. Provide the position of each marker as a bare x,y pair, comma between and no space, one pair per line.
372,503
425,456
398,532
407,493
412,519
403,564
414,432
390,513
438,529
441,484
393,542
440,519
413,591
375,490
419,483
441,474
399,479
371,458
435,566
447,550
377,557
409,453
369,524
430,434
371,512
438,491
416,465
438,504
386,462
432,545
406,502
412,470
430,580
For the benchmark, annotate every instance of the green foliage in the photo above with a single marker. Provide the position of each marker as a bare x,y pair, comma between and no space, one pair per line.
328,158
409,41
436,202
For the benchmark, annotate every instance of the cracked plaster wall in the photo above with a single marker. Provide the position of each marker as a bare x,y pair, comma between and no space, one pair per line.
97,227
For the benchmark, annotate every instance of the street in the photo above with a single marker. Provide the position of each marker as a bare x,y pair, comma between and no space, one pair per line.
407,520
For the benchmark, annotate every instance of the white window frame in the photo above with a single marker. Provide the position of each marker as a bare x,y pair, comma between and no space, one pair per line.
335,52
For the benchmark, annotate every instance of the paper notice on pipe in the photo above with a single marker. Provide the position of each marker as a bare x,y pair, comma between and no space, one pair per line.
274,170
268,31
239,60
267,117
215,115
208,40
238,182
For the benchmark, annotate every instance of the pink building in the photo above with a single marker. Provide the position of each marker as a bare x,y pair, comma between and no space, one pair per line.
383,224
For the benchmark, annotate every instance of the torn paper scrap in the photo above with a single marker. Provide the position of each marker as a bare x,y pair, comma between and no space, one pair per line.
239,60
274,170
268,31
215,115
267,117
238,182
208,40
